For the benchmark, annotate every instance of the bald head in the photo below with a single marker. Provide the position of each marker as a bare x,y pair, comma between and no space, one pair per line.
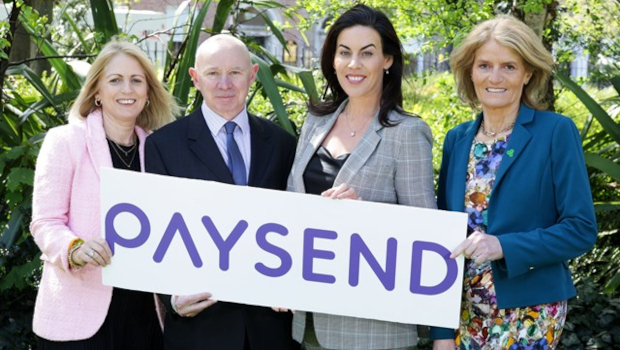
223,74
218,46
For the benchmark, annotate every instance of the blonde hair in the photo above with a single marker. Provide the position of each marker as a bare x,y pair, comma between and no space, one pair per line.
162,108
511,33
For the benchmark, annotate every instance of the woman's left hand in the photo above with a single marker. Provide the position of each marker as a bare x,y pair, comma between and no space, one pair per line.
94,251
343,191
479,247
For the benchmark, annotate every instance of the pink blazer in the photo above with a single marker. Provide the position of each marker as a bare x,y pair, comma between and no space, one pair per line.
71,304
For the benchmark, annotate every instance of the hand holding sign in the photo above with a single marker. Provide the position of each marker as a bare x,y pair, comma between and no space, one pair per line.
341,192
191,305
289,247
479,247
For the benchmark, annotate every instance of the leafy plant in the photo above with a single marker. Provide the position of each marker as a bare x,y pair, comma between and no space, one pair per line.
594,320
602,154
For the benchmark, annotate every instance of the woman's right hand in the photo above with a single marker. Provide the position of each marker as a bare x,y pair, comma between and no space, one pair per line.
343,191
94,251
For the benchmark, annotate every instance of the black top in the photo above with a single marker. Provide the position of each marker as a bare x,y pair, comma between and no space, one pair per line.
125,157
322,170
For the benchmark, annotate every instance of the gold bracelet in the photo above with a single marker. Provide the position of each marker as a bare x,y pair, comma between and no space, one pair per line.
76,244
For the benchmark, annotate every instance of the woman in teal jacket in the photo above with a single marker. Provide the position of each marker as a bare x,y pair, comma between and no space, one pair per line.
519,173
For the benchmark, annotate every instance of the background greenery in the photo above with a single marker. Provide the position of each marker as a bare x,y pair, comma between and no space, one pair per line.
37,92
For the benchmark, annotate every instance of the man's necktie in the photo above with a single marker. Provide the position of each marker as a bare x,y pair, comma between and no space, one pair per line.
235,160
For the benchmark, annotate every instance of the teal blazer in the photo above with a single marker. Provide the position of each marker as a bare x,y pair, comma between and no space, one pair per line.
540,206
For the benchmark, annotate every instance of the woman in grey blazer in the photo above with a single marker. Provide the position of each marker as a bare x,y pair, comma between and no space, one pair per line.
361,144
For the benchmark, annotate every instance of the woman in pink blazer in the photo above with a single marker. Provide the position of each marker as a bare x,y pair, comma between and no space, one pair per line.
120,99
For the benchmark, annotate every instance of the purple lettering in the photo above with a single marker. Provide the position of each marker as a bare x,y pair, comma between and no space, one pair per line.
224,245
359,248
416,269
285,257
310,254
177,224
112,236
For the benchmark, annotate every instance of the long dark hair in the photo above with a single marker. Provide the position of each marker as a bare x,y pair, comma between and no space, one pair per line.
392,94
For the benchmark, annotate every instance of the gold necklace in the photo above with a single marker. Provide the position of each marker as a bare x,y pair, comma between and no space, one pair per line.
133,149
494,133
122,150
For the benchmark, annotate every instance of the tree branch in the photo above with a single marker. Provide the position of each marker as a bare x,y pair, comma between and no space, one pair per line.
17,63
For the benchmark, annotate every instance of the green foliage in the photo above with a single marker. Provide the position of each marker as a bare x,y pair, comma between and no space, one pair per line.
434,98
591,24
594,320
33,104
602,155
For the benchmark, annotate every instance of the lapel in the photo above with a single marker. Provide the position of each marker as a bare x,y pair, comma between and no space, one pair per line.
361,153
519,139
96,144
261,151
316,135
460,154
203,146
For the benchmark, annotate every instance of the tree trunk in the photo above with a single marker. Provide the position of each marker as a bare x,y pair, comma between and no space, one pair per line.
4,63
23,45
44,8
540,23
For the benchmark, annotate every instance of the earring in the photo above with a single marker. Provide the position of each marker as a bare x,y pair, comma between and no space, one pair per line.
387,72
148,102
97,102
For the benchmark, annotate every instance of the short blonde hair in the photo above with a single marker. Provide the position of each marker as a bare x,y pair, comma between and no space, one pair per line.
162,108
511,33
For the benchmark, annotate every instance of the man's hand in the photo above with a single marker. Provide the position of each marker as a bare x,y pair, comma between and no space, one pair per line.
191,305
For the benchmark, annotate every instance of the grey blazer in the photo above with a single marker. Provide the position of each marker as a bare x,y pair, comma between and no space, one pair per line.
389,165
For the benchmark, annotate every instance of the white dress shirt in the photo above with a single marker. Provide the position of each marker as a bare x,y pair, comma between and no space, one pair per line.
241,134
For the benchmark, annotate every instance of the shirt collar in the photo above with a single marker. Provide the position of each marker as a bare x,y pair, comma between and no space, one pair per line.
216,123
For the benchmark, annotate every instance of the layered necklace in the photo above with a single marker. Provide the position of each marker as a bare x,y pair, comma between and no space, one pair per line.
126,154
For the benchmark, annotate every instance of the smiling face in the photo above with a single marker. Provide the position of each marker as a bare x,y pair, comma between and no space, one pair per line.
499,74
224,74
359,62
122,89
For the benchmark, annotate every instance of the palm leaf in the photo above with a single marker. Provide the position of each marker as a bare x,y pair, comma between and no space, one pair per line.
270,87
275,30
183,81
34,79
76,30
221,14
177,14
104,18
307,79
13,228
597,111
615,81
290,86
64,71
605,165
606,206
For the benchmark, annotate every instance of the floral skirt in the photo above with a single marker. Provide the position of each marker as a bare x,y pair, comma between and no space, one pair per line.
483,326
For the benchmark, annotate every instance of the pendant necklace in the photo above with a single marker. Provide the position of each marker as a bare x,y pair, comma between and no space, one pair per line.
133,150
353,132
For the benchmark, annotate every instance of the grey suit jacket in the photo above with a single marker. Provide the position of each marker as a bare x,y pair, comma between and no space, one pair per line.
389,165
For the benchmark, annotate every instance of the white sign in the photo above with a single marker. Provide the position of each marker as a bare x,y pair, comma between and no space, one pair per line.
273,248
